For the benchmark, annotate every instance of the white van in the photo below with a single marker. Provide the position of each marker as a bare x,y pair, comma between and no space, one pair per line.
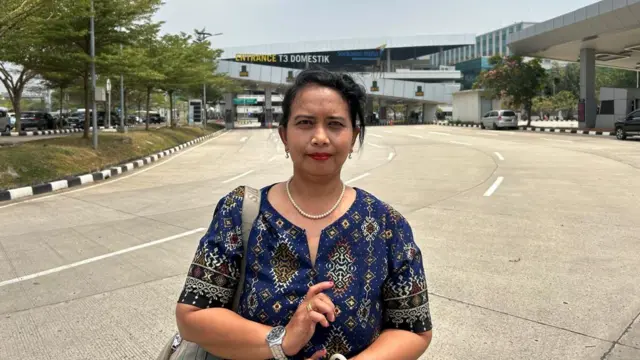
6,124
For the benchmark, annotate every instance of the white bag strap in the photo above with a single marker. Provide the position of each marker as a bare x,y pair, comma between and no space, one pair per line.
250,209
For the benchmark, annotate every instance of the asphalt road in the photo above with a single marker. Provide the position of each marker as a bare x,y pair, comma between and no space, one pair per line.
531,243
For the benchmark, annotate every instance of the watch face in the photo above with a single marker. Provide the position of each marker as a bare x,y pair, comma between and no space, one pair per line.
276,334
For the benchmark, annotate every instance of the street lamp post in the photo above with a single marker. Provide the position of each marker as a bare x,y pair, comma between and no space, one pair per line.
93,79
202,35
122,114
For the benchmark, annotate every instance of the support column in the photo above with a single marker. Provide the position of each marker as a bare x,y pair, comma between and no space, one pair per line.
429,113
368,111
388,51
440,56
229,110
268,109
383,112
588,87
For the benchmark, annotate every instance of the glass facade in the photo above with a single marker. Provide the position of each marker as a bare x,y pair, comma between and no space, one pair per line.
487,45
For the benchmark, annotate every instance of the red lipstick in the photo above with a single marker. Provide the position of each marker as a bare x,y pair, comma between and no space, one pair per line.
320,156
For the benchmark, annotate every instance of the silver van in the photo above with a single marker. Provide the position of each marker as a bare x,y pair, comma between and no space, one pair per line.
500,119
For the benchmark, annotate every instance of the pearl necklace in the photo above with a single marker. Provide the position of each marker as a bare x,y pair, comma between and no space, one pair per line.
315,217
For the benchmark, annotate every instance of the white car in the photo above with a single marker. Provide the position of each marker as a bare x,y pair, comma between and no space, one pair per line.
500,119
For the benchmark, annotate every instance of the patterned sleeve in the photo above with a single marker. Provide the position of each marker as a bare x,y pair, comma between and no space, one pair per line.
405,296
214,271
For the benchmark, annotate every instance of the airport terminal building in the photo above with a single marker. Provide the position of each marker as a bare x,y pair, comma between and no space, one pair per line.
392,70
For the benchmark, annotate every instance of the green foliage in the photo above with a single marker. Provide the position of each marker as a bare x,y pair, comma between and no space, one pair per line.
15,16
515,79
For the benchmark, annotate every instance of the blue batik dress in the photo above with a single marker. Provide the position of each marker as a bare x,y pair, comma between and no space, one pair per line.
369,253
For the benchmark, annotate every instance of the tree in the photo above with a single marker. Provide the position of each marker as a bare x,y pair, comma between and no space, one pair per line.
66,38
185,65
15,15
61,82
565,101
513,78
18,56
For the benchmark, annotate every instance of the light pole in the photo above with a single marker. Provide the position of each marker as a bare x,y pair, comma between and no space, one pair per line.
122,129
108,112
201,36
93,79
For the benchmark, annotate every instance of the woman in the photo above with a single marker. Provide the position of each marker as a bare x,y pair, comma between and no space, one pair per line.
330,269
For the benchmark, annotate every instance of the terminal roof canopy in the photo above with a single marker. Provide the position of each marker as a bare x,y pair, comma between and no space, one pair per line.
404,47
610,27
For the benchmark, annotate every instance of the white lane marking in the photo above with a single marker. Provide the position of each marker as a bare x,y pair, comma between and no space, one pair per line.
238,177
460,143
416,136
391,155
244,139
387,131
439,133
375,145
273,158
120,177
494,187
568,141
499,156
376,135
357,178
101,257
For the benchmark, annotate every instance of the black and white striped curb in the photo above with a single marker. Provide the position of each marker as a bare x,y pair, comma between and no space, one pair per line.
459,125
546,130
569,131
51,132
27,191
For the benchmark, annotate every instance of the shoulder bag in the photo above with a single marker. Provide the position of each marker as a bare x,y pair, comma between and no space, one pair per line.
179,349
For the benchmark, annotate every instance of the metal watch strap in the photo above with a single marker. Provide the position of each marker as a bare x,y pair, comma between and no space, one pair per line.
278,353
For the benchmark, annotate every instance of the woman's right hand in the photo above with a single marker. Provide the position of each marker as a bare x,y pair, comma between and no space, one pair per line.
316,308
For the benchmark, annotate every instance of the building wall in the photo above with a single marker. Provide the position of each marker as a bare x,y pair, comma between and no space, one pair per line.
488,44
622,105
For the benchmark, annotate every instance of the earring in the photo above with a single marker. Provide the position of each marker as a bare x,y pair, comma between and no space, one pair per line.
350,154
286,154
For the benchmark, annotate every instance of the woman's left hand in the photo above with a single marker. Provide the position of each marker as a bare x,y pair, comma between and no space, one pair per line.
318,355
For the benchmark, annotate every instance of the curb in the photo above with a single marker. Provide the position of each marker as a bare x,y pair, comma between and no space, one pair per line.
50,132
549,130
569,131
27,191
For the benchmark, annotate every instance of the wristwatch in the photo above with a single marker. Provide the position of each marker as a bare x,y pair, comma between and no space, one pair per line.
274,339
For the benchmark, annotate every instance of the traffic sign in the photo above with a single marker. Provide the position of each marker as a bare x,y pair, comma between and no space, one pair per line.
108,85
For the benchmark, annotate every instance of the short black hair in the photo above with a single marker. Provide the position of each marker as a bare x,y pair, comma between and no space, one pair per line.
355,95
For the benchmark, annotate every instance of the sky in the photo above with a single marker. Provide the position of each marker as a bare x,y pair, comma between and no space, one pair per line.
255,22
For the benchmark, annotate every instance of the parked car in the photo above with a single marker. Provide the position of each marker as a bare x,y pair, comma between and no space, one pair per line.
5,121
36,119
628,126
500,119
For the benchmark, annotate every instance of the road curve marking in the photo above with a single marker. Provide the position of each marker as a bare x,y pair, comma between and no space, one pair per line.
391,155
100,257
499,156
238,177
376,135
460,143
439,133
494,187
416,136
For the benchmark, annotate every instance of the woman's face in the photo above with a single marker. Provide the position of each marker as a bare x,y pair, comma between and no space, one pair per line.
319,133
